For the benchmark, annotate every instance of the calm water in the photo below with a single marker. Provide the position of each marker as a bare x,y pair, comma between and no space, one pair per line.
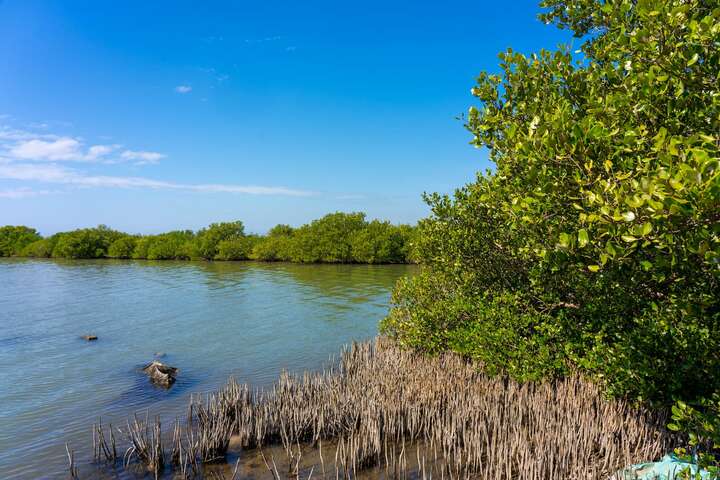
212,320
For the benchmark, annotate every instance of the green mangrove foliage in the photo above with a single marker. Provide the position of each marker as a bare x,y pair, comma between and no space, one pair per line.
276,246
335,238
594,244
123,247
702,423
85,243
327,239
209,239
13,240
238,248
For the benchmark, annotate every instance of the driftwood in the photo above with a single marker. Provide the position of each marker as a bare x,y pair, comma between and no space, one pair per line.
161,374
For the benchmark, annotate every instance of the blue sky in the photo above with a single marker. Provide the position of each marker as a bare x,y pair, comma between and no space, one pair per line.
152,116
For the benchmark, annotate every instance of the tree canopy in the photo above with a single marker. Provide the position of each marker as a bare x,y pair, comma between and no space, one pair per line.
335,238
13,239
594,243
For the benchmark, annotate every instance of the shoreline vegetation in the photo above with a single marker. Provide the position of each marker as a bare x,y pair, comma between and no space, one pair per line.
593,245
335,238
566,319
393,413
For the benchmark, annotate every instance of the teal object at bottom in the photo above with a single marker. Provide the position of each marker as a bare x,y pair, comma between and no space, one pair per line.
668,468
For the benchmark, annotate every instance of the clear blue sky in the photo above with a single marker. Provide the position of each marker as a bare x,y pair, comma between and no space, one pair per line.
157,115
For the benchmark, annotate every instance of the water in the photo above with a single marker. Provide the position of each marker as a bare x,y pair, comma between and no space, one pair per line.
212,320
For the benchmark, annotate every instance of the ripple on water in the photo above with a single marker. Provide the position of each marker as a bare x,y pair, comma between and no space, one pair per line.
213,320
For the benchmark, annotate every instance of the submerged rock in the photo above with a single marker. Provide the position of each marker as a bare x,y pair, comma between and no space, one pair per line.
89,338
161,374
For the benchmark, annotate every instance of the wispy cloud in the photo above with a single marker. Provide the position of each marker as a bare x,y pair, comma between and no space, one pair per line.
183,89
45,158
39,125
24,192
60,149
15,134
212,39
96,152
264,39
142,157
218,76
28,146
57,174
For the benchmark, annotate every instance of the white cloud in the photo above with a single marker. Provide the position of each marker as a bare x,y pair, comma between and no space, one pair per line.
14,134
97,151
56,149
183,89
52,173
64,148
24,145
142,156
39,157
23,192
247,189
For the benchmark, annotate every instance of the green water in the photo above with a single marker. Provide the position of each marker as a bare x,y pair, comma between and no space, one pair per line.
211,320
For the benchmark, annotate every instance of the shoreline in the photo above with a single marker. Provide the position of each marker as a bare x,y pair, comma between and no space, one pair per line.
212,321
380,406
203,260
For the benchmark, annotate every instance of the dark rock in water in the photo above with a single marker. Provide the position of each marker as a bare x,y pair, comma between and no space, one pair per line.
161,374
89,338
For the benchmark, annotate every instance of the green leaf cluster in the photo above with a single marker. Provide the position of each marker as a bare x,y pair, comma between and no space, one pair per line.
594,243
327,239
82,243
702,423
13,239
209,239
338,238
240,248
276,246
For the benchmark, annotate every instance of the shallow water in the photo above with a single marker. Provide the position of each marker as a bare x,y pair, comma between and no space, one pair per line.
212,320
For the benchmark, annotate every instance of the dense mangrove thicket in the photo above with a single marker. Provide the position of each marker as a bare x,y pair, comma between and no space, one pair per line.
595,241
334,238
15,239
392,413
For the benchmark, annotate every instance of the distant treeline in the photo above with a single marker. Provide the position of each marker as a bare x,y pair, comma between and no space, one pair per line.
335,238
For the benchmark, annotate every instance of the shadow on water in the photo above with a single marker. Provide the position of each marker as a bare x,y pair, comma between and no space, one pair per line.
332,280
328,279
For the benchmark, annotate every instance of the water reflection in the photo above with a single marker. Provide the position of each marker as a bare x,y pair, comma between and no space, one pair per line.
245,319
